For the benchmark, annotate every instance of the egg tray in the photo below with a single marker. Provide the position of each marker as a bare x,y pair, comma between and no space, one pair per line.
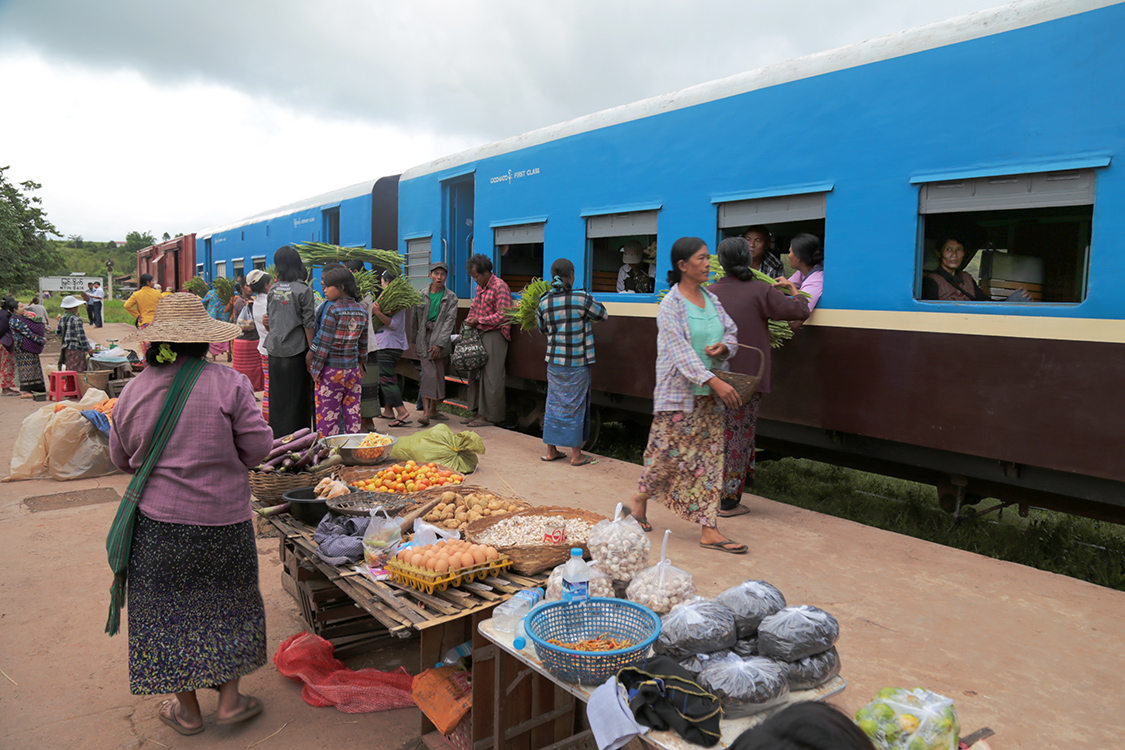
417,577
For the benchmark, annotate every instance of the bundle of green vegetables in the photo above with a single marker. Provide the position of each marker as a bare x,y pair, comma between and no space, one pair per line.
224,288
523,313
197,286
319,253
397,295
780,332
368,283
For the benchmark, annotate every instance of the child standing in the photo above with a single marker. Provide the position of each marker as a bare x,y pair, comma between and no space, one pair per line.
337,355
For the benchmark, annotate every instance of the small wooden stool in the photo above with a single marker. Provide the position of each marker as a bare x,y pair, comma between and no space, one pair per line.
64,384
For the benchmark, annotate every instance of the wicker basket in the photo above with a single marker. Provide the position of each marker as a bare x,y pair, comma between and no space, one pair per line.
569,623
746,385
349,474
530,560
467,489
270,486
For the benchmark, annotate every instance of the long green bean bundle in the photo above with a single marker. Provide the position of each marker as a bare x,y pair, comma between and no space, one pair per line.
320,253
780,332
523,313
398,295
224,287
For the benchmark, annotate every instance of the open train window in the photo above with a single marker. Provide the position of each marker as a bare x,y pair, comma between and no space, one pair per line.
776,220
1016,238
614,241
259,262
220,269
518,254
237,267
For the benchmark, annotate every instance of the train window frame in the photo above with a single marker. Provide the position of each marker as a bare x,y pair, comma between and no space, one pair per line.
610,230
258,262
220,269
1012,226
238,268
419,254
785,212
526,247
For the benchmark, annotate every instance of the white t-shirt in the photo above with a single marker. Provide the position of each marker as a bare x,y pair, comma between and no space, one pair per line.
98,293
623,273
259,310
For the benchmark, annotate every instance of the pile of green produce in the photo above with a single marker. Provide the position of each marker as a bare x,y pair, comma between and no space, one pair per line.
224,288
902,719
319,253
196,286
397,295
780,332
523,313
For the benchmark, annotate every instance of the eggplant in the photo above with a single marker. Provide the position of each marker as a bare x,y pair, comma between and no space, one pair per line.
287,439
273,510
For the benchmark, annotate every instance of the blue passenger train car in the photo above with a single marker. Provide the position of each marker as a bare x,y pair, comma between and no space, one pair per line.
360,215
1000,128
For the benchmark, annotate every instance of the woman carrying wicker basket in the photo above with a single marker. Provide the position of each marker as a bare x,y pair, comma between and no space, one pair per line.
752,303
683,463
182,543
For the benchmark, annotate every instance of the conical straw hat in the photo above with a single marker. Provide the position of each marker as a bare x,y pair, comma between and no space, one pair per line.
180,318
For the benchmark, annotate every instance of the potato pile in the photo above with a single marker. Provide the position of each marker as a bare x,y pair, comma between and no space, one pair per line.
457,510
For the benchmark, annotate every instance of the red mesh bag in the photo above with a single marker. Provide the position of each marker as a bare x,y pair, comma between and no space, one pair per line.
327,681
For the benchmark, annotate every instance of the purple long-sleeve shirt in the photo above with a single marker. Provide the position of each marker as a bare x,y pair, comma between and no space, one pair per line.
201,477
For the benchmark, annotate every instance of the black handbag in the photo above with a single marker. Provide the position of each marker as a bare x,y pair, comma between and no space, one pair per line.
468,353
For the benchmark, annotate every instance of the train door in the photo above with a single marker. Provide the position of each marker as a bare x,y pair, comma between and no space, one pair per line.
205,266
457,231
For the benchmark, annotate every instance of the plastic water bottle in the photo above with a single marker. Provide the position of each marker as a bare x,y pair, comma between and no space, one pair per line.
520,641
575,578
456,654
506,616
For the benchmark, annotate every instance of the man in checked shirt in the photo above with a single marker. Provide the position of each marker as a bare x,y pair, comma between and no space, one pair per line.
486,314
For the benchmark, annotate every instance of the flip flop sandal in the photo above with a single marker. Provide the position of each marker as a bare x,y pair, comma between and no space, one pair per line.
399,423
738,510
421,420
645,525
253,708
731,546
552,458
478,423
439,417
470,420
174,722
585,460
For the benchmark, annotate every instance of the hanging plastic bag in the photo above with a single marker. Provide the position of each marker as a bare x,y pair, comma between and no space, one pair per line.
427,533
381,540
745,686
900,719
620,546
246,318
797,632
662,586
752,602
441,445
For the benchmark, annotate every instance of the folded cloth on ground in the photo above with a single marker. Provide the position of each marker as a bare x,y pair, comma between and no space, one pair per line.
340,539
611,719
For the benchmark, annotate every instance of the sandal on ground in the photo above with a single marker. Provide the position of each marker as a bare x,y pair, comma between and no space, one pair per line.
478,423
399,423
555,457
172,719
738,510
645,525
728,545
468,420
439,417
422,421
585,460
253,707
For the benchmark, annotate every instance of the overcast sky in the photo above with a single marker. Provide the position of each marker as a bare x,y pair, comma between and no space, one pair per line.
178,115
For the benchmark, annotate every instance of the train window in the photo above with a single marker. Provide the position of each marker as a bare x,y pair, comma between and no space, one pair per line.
418,261
259,262
220,269
616,240
237,267
518,255
776,220
199,269
1016,238
332,226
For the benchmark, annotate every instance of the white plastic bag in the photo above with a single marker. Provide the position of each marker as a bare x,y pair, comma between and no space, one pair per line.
620,546
901,719
698,626
797,632
427,533
62,445
752,602
381,540
662,586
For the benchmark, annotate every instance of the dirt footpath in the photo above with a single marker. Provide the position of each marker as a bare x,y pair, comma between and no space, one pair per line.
1031,654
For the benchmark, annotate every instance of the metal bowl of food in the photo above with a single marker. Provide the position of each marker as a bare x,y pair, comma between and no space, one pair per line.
363,448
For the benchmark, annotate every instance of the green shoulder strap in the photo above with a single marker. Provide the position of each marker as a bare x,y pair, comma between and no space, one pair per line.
120,540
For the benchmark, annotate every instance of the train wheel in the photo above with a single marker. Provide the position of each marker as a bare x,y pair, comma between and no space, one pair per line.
595,429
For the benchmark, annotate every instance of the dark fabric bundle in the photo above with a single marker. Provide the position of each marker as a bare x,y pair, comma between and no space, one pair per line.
663,696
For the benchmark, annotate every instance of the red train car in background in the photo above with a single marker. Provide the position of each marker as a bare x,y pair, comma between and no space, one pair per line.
171,262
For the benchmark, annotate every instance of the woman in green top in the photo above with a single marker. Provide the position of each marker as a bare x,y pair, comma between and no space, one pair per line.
433,328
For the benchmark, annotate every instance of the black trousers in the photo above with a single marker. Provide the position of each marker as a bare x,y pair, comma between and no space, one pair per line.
291,395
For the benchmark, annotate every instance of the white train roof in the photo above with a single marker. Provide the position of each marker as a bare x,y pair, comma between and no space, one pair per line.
974,25
324,199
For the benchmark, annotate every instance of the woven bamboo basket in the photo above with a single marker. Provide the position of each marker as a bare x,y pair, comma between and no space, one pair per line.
746,385
532,559
269,487
468,489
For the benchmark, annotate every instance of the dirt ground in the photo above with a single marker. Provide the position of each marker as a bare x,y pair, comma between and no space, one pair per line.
1030,654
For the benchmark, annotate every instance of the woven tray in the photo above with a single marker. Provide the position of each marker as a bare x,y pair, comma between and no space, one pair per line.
272,485
530,560
362,503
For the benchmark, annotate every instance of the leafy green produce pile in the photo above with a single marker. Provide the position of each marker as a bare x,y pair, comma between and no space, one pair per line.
398,295
197,286
523,313
320,253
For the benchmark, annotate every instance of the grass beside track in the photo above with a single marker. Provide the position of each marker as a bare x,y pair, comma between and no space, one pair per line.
1078,547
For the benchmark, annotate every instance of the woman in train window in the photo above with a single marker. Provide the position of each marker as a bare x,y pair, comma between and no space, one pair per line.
566,317
635,276
290,317
751,303
683,464
806,255
762,258
950,281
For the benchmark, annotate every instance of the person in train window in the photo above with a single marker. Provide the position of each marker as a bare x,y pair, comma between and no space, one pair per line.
683,463
806,254
752,304
635,276
487,314
950,281
566,317
433,331
762,258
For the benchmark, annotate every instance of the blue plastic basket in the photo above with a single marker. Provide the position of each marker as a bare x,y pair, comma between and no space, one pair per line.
598,616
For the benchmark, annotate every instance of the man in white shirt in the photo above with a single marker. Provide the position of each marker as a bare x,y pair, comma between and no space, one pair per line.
97,297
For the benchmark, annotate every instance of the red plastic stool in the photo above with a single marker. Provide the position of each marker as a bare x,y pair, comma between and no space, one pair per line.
64,384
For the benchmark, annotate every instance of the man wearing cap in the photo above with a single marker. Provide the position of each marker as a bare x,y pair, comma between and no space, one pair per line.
433,329
97,297
635,275
72,334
